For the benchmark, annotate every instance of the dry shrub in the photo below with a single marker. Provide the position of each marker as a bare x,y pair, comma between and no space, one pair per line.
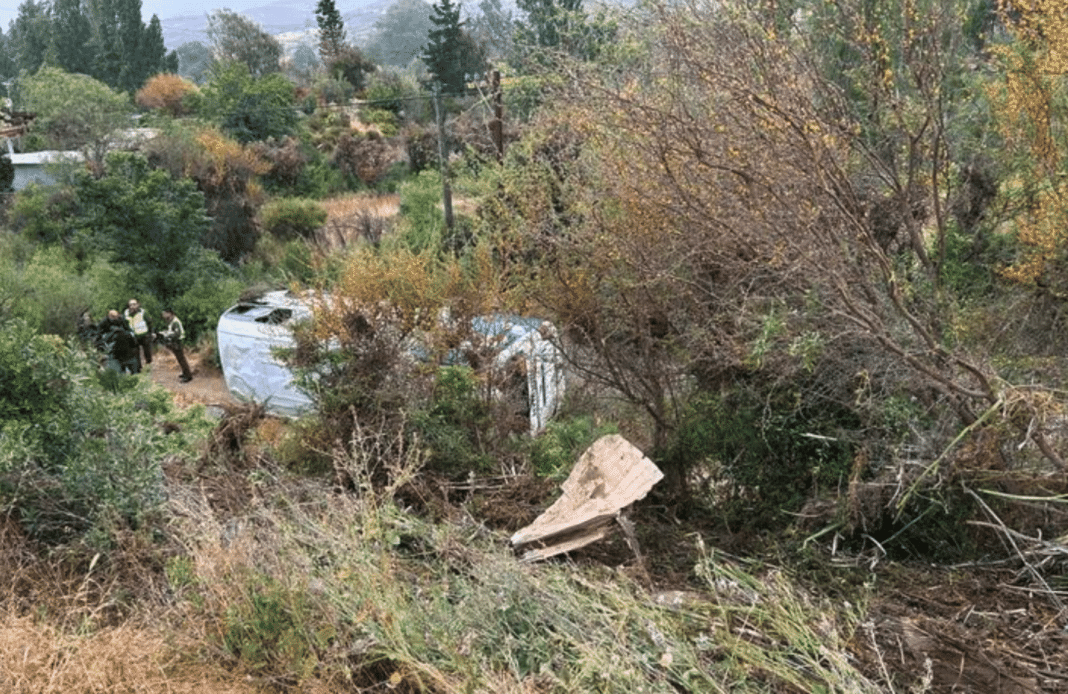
368,158
228,442
166,92
285,158
355,217
226,172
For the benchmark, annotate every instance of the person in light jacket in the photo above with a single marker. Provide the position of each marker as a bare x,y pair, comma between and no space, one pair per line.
142,330
172,337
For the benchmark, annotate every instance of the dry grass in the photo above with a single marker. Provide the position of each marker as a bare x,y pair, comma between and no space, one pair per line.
39,658
354,217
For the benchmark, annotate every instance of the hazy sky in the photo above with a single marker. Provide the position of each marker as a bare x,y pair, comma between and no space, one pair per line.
9,9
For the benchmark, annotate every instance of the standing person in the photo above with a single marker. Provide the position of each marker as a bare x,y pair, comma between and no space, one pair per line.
172,337
120,345
142,330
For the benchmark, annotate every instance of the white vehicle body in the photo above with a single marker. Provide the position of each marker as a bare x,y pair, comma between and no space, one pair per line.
249,332
246,336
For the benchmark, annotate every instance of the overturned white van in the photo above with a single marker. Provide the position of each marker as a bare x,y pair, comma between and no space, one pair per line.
247,335
249,332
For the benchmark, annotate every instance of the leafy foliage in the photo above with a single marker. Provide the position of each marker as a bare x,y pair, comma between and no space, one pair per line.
107,40
358,361
147,220
1026,101
558,26
195,61
76,462
450,53
331,30
75,111
225,172
250,108
7,173
238,39
348,63
289,218
400,34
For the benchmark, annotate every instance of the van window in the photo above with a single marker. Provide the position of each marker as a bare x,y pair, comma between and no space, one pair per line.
276,317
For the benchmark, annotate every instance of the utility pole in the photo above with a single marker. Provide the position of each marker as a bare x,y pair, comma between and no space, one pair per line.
496,125
446,190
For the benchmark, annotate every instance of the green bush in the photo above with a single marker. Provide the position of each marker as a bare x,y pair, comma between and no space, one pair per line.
290,260
289,218
321,179
453,423
7,173
272,630
776,453
972,261
332,91
250,108
77,460
200,307
43,213
389,91
386,121
555,451
48,291
421,219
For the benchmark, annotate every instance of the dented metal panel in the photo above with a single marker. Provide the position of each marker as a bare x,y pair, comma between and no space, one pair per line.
611,475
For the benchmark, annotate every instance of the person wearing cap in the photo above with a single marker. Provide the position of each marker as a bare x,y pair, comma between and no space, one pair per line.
142,330
172,336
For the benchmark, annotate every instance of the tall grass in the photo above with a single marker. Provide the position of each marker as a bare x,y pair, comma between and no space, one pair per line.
356,217
270,582
351,590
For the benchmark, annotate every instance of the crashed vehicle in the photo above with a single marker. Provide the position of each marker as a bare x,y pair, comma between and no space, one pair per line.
250,333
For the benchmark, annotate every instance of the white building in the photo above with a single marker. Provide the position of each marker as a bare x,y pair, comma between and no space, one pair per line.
37,167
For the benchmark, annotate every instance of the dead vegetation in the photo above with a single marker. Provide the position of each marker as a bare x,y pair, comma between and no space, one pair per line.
357,217
270,582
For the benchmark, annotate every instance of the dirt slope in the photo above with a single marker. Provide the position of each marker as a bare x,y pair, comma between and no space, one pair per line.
207,387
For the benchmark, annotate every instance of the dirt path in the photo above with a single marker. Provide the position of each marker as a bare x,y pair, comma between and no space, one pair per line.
207,387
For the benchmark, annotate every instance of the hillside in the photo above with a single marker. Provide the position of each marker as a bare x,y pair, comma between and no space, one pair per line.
804,266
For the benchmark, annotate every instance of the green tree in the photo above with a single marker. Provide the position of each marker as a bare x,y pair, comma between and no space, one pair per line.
247,107
7,56
302,64
154,56
236,38
493,28
400,34
75,111
125,52
561,26
450,53
29,35
194,61
351,65
131,34
147,220
71,35
106,46
331,30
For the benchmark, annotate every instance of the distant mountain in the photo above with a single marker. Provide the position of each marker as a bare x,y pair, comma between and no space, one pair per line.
277,18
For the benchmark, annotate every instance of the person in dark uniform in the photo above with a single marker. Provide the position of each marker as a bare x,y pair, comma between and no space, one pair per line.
120,345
